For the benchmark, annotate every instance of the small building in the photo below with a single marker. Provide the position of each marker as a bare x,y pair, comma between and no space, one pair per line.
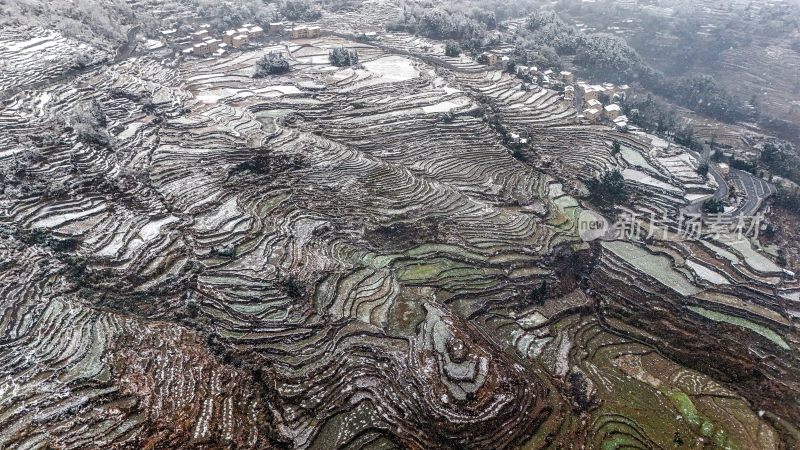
299,32
206,47
592,114
276,27
594,104
227,37
244,30
206,27
621,123
489,58
256,32
203,49
240,41
314,32
567,76
544,80
590,92
200,35
168,35
613,111
569,93
724,168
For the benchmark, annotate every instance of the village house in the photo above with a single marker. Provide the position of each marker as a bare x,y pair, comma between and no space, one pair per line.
276,27
724,168
592,114
256,32
594,104
305,32
168,35
590,92
569,93
621,123
206,47
299,32
240,41
620,93
613,111
490,58
227,37
567,76
200,35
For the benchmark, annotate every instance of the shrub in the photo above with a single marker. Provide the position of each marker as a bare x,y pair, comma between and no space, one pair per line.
89,122
713,206
452,49
511,67
341,57
615,147
702,169
301,10
608,190
193,308
538,295
273,63
788,199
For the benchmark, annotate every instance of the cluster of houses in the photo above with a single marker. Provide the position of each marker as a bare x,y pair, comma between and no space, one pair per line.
240,37
600,101
202,43
549,79
595,110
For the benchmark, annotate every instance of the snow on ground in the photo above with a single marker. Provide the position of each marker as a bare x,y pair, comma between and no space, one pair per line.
447,105
641,177
208,98
392,68
706,273
682,165
752,258
697,197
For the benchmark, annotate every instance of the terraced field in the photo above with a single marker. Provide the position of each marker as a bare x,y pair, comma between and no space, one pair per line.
353,258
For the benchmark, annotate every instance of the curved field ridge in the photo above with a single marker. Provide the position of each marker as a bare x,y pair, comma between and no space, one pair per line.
355,258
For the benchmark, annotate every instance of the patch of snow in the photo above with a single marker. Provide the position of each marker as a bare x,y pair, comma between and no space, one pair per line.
706,273
641,177
392,68
447,105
